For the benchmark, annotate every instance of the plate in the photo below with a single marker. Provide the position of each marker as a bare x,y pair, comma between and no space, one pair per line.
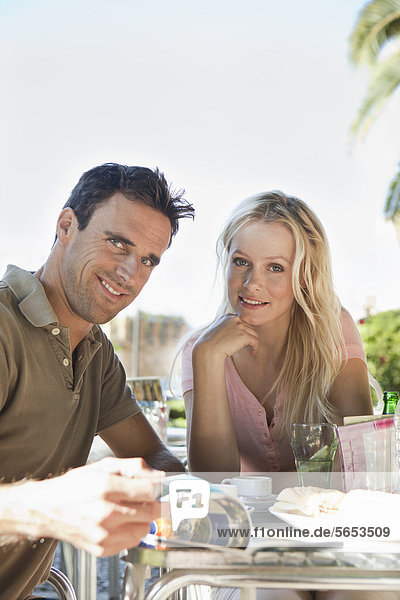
304,522
314,526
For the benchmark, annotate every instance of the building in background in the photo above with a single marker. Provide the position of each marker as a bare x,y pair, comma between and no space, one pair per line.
146,344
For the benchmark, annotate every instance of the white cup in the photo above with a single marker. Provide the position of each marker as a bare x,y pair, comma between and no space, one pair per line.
227,488
248,485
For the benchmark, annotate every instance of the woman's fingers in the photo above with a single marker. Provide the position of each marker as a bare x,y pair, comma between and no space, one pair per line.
228,335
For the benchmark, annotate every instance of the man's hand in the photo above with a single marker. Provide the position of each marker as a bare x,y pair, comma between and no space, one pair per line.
101,508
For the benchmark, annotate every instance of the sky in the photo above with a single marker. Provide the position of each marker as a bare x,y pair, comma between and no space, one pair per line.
227,98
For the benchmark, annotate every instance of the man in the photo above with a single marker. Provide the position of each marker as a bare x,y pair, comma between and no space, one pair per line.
61,382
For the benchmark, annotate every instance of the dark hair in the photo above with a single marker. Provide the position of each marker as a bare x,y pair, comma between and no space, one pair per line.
97,185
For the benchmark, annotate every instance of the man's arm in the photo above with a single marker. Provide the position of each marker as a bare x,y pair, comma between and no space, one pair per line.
136,437
101,508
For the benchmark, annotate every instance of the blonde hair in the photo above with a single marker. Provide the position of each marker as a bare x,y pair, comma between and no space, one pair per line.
314,342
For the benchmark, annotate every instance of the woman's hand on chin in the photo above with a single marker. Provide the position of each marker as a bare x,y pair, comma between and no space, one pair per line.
225,337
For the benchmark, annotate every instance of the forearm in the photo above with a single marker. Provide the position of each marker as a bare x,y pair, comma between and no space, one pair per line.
136,437
350,393
23,511
212,441
100,508
160,458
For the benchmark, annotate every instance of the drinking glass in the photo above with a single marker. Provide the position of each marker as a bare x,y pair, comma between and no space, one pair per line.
314,446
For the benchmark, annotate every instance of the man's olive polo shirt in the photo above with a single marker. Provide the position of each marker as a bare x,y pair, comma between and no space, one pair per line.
51,406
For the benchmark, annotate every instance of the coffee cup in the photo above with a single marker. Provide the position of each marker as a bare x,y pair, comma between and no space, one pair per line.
250,485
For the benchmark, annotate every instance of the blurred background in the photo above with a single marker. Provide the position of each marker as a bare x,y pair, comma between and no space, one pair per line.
228,99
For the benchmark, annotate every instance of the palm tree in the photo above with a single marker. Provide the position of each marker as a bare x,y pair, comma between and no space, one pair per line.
375,43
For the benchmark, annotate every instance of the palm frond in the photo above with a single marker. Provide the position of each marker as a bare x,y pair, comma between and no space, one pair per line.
377,24
392,200
385,80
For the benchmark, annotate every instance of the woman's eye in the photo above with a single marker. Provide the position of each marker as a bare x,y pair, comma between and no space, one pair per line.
240,262
276,268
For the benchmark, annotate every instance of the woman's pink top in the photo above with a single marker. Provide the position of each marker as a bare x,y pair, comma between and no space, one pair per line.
259,450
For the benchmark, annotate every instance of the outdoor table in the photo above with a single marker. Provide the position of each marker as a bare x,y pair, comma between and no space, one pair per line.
284,566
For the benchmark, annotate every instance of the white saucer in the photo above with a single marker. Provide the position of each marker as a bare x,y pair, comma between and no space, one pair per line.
258,503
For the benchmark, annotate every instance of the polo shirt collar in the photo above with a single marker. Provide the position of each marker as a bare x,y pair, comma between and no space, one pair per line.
33,302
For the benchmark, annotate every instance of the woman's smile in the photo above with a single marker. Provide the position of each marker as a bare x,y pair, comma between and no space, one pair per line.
252,302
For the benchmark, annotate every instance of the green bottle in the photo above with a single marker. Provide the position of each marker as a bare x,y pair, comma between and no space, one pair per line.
390,400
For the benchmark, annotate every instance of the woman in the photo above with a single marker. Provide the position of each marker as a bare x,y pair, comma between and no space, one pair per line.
281,350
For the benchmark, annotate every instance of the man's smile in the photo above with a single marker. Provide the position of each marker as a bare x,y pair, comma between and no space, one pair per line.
109,288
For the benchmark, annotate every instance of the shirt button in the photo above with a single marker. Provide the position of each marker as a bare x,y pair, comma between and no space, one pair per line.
65,362
55,331
262,424
260,413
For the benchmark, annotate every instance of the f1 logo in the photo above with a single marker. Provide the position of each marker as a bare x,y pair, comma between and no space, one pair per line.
189,499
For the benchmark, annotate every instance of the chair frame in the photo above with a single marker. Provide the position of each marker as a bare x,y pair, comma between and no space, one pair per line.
62,585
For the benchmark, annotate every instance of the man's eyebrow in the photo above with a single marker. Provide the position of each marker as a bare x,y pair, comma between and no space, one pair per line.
119,237
154,259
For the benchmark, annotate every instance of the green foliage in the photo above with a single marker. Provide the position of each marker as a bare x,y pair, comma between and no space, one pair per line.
381,337
377,28
377,24
384,80
392,202
180,422
374,44
177,415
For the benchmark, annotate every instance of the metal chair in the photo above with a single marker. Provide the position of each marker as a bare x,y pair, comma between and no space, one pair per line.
60,582
62,585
